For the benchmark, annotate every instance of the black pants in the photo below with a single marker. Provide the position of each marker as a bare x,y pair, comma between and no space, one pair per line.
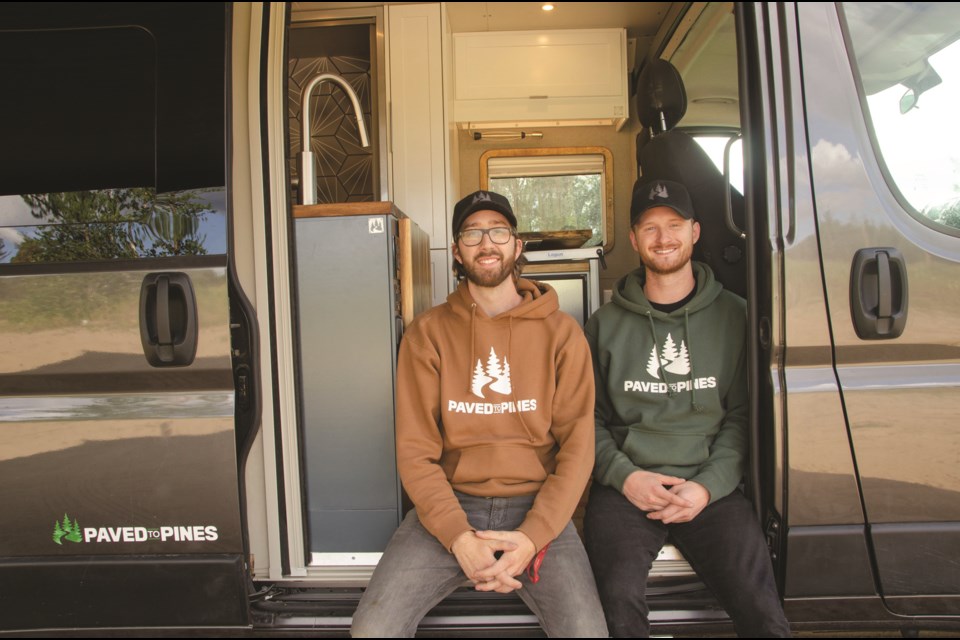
723,544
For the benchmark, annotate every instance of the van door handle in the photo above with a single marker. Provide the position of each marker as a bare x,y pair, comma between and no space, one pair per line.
878,293
168,319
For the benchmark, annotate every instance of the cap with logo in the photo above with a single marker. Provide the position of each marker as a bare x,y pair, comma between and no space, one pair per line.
660,193
481,201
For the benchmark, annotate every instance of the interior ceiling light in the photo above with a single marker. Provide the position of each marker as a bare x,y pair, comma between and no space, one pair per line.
547,7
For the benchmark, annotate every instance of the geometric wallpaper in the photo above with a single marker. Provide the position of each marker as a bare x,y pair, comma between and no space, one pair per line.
344,168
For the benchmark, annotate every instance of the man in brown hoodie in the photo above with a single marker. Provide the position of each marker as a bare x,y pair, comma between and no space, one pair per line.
495,444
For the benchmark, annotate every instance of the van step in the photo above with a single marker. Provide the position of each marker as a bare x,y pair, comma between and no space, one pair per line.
675,604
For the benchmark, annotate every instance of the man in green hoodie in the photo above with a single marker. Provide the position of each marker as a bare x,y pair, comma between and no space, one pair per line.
671,429
494,444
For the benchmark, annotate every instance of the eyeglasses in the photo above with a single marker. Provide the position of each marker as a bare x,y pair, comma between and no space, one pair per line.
473,237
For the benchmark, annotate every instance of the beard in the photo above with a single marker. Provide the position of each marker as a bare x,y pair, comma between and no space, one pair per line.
657,264
489,277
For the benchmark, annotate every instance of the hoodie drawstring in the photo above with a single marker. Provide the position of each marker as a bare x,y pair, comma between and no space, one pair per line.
513,393
473,342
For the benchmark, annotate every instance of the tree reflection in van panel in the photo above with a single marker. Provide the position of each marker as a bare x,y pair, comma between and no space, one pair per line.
111,224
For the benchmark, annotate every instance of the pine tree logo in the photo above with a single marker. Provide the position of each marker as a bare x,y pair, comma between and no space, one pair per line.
480,380
67,530
496,373
675,360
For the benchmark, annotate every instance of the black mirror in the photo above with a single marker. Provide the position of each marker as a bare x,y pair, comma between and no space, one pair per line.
925,80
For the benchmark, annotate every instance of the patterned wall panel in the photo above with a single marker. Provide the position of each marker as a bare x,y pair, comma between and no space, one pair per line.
344,168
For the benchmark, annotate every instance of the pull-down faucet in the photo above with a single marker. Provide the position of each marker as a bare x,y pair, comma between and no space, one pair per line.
308,183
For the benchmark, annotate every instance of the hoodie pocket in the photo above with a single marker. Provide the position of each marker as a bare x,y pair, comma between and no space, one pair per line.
653,449
504,463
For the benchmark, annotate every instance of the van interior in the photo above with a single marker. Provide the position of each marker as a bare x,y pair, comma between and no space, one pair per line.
679,121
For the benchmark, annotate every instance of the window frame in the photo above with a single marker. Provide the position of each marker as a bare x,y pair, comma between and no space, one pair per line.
606,179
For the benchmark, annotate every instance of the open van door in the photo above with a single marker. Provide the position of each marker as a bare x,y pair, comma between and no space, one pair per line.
117,397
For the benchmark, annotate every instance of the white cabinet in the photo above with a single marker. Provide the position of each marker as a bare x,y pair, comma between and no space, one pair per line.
415,90
541,76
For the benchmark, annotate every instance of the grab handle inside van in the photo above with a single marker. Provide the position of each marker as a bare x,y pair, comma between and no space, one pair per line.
727,196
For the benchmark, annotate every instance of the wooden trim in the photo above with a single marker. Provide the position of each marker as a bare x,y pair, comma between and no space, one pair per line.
556,267
384,207
416,290
608,208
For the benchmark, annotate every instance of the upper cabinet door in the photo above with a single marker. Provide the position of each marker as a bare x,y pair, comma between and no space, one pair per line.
529,75
417,117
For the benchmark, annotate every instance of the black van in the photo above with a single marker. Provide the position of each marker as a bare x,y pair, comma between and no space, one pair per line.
196,403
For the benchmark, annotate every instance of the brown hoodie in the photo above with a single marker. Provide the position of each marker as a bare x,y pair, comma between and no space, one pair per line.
495,407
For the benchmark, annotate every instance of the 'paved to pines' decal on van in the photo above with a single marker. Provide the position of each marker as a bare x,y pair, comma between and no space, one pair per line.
67,531
71,530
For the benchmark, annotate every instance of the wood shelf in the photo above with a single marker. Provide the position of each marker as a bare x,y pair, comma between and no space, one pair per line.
383,207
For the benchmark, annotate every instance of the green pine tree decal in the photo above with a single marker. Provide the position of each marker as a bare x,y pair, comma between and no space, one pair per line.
66,529
75,535
57,532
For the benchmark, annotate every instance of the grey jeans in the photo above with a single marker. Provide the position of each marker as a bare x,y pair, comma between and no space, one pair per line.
416,572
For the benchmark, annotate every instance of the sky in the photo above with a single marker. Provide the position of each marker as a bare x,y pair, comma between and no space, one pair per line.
922,147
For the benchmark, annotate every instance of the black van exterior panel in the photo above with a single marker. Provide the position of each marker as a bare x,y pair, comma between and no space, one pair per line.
118,465
89,340
934,561
901,396
128,94
818,452
828,562
102,453
148,591
815,455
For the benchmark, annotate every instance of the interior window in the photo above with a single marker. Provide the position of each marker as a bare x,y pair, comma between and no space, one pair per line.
908,59
715,144
562,195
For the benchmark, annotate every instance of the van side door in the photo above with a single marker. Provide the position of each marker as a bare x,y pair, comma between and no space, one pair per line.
881,87
117,437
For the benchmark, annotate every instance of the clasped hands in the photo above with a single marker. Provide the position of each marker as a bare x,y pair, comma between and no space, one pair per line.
476,552
681,502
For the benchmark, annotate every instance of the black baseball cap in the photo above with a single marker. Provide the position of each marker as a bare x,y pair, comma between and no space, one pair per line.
481,201
660,193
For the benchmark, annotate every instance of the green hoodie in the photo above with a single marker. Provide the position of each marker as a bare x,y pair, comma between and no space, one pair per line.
671,387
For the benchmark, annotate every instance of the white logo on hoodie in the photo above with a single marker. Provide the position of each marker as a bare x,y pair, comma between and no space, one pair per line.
495,377
497,373
674,360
